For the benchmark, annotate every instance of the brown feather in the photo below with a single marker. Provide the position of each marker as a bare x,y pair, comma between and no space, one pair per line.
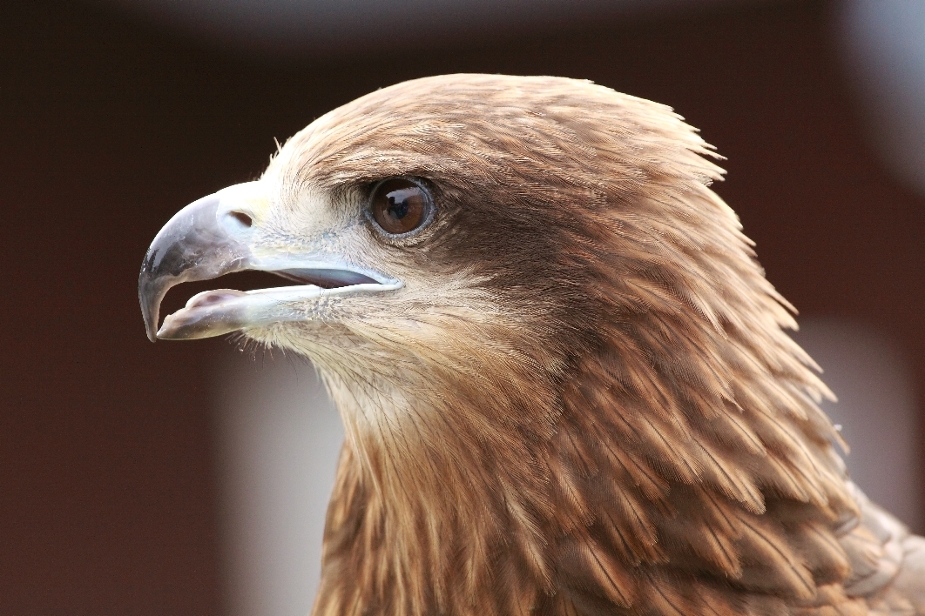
594,407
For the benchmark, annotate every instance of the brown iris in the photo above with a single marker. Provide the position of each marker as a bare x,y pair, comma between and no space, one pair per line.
400,206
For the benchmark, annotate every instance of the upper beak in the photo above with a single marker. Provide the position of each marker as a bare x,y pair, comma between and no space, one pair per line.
214,236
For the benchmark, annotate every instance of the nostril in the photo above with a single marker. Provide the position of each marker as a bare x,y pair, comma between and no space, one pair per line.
242,218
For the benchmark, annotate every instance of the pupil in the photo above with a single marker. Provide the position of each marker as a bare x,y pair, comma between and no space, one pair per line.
398,209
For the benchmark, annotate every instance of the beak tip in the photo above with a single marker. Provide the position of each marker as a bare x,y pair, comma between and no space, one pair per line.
151,290
149,312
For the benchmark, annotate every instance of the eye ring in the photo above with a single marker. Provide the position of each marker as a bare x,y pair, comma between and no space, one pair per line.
400,207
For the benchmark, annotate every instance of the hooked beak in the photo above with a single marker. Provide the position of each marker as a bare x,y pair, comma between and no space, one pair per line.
214,236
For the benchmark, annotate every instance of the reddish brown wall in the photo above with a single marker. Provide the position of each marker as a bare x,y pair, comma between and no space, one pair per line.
107,495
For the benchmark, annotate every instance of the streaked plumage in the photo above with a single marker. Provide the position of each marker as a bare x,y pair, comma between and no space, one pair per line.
576,396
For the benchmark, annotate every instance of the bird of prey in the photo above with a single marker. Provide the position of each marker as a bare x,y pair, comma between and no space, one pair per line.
566,383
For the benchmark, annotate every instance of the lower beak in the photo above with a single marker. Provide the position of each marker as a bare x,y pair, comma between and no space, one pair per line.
215,236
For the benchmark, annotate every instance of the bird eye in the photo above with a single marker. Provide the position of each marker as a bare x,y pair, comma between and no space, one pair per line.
400,206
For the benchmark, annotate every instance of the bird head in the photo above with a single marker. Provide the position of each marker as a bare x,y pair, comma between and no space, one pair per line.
469,224
562,372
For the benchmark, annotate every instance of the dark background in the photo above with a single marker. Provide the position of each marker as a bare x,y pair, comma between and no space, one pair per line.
107,127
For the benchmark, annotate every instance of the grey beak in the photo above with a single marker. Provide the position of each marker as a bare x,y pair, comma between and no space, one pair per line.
216,235
193,245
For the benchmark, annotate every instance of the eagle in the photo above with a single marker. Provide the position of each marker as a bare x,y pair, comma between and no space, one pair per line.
566,385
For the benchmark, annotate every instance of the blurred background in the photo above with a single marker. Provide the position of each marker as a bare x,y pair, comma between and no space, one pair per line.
191,478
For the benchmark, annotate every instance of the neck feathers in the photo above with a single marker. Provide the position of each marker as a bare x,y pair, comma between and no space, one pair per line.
675,466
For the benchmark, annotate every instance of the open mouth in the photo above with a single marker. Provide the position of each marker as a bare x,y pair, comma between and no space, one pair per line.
254,282
220,311
321,279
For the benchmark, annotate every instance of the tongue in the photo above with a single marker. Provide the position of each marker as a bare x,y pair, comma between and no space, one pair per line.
207,298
